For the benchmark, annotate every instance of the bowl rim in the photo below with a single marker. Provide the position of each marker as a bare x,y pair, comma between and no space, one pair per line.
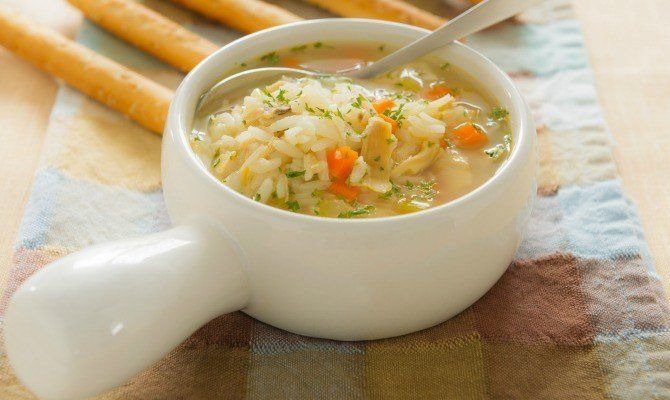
176,129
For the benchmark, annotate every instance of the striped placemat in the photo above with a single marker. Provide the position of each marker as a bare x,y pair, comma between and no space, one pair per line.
579,314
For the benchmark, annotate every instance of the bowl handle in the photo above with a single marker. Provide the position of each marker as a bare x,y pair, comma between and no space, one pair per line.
90,321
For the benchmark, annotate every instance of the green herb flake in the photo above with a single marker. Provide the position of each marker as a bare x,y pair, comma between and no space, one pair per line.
216,160
381,48
281,96
357,212
394,191
309,109
294,174
396,115
271,58
445,66
293,205
499,114
428,191
359,101
495,153
507,140
299,48
257,197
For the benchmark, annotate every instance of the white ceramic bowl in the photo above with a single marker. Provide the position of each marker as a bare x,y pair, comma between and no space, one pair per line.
92,320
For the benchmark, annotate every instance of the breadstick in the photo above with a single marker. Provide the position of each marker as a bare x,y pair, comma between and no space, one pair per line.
390,10
244,15
149,31
139,98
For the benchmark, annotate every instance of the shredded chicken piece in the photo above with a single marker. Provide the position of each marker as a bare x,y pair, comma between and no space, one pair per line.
378,146
418,162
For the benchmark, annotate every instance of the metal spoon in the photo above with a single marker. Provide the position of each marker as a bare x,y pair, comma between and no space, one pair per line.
481,16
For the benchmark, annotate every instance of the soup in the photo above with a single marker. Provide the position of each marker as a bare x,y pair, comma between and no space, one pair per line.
415,138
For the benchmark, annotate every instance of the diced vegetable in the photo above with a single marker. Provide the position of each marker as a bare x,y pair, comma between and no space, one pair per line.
405,206
418,162
469,136
410,80
341,188
382,105
436,92
378,147
394,123
341,162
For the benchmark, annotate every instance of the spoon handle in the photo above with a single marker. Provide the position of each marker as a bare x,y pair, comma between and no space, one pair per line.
479,17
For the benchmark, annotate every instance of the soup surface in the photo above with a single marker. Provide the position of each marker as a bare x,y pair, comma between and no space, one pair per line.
415,138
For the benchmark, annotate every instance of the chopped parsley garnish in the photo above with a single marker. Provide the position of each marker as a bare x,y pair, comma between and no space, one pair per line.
281,96
428,191
271,58
396,114
395,190
445,66
294,174
309,109
409,185
499,114
293,205
495,153
359,101
507,140
357,212
257,197
243,64
299,48
381,48
216,160
320,45
325,113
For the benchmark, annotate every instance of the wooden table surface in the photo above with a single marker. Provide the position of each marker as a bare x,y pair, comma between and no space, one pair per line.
629,48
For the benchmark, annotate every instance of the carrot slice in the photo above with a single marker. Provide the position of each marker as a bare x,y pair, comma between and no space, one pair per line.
341,188
382,105
394,124
436,92
341,162
469,136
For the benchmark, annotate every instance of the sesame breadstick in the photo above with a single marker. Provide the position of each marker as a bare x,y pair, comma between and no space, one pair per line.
390,10
149,31
243,15
139,98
